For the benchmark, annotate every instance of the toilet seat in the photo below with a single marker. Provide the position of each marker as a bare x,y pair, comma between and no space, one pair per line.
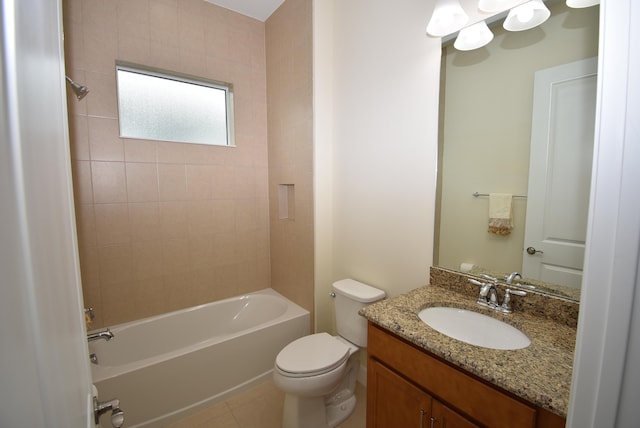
312,355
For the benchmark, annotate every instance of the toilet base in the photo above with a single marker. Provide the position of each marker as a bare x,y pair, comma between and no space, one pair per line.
323,411
303,412
315,412
337,413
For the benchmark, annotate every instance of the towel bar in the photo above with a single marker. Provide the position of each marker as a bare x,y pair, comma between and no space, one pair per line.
476,194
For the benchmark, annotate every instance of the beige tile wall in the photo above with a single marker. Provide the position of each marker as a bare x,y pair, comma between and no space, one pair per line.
164,225
290,130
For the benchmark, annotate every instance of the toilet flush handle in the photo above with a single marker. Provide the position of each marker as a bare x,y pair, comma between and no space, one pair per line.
332,294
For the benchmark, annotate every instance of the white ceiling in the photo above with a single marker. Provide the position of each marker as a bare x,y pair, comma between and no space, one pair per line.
262,9
258,9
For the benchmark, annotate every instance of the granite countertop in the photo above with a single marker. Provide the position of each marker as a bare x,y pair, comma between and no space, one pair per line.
539,373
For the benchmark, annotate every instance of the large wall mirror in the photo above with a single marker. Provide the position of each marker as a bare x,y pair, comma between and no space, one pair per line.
486,134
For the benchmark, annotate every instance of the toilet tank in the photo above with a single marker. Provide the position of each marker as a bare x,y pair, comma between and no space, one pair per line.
350,297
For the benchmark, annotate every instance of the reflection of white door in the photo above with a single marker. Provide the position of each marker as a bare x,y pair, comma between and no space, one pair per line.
560,172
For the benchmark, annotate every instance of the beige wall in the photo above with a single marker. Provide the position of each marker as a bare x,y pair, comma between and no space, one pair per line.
377,109
323,45
375,118
165,225
487,131
290,131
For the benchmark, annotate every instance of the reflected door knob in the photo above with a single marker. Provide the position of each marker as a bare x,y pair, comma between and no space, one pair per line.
532,251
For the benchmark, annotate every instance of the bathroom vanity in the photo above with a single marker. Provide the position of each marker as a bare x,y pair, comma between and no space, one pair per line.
403,381
418,377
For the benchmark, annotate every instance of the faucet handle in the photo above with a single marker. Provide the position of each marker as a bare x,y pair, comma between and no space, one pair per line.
476,282
489,277
486,289
516,292
510,277
484,286
100,407
506,302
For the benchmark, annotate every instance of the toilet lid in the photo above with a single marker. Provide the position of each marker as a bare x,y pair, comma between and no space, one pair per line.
316,353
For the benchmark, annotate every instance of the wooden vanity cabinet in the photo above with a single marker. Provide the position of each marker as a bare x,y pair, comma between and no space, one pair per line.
407,387
397,403
393,401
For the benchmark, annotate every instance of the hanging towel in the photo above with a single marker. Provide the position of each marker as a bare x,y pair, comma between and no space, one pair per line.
500,218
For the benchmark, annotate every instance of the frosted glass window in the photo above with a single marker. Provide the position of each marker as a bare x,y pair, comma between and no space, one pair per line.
157,106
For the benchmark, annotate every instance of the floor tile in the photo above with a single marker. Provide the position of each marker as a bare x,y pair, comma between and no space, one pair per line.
259,407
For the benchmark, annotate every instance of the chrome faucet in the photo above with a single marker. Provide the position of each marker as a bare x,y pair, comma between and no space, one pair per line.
104,334
488,296
100,407
513,275
506,302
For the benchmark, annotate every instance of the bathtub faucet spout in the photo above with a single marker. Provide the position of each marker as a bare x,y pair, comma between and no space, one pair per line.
104,334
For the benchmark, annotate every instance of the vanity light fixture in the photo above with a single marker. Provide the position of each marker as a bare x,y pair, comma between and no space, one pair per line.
448,17
577,4
526,16
473,37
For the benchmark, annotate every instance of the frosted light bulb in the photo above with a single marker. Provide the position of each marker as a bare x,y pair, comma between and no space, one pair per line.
448,17
525,14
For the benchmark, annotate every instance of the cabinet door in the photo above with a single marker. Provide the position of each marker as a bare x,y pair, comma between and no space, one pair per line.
393,402
470,396
444,417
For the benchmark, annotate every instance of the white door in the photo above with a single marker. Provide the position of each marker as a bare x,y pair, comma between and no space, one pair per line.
560,172
44,367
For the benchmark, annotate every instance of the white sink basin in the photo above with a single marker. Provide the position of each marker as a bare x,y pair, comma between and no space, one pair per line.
474,328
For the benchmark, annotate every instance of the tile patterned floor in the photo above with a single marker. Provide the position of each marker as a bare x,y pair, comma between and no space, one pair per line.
259,407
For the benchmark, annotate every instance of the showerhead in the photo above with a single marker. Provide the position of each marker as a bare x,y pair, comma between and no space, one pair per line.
80,90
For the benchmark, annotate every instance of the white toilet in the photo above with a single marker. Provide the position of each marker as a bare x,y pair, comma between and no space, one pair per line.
318,372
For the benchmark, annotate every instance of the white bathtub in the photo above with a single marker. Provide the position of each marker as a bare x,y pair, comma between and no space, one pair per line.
165,367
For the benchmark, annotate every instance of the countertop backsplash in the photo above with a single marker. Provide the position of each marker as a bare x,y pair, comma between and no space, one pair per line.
553,308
